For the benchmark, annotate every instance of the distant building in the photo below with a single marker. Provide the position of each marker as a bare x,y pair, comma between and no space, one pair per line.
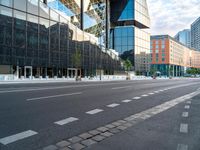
170,57
195,34
184,37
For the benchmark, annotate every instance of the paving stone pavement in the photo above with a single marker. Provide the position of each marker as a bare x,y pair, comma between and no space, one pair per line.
96,135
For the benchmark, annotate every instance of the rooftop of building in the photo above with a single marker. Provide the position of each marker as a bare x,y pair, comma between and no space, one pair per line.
197,20
166,36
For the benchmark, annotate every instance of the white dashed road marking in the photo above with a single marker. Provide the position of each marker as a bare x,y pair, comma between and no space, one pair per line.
124,87
53,96
145,95
126,101
188,102
187,106
184,128
66,121
16,137
151,93
95,111
185,114
136,97
113,105
182,147
156,92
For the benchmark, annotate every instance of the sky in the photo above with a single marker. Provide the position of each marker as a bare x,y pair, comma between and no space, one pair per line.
171,16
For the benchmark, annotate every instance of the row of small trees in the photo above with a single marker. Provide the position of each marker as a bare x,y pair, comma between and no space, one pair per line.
193,71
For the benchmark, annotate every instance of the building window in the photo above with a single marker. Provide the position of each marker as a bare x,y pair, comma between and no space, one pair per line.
6,2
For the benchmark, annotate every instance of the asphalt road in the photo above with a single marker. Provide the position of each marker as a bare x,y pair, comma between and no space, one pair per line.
33,116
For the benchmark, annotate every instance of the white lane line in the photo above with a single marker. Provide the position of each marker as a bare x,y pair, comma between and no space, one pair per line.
66,121
16,137
126,101
123,87
136,97
95,111
161,90
145,95
185,114
187,106
188,102
113,105
53,96
184,128
151,93
182,147
156,91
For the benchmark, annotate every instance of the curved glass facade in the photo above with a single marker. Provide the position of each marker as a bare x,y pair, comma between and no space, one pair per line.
38,37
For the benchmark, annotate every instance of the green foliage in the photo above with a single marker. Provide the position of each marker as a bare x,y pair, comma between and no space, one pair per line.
76,58
193,71
153,71
127,65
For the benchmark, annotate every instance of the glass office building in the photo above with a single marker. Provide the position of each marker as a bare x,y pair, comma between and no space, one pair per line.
40,37
195,34
184,37
128,19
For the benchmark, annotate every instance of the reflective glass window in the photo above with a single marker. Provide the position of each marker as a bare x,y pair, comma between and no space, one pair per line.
54,35
54,15
5,11
130,31
20,29
130,40
128,11
20,5
32,33
5,26
124,31
44,10
19,15
44,35
124,40
32,7
6,2
117,32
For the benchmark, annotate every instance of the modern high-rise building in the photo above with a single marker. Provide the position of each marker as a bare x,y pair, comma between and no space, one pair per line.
195,34
184,37
128,19
170,57
41,37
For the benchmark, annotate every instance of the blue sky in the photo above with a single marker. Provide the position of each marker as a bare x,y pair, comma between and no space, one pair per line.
171,16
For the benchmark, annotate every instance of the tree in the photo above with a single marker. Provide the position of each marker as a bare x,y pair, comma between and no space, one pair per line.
127,66
193,71
76,59
153,71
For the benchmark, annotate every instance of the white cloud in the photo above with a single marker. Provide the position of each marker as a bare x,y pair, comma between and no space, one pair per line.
171,16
